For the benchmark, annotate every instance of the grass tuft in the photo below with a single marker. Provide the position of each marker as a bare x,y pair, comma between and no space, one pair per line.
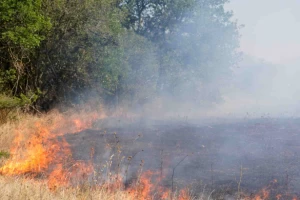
4,154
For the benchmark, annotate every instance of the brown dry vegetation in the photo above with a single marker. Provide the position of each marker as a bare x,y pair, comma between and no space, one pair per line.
24,188
13,188
21,187
7,130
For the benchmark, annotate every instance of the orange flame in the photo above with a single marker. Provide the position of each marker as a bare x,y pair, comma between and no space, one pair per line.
143,188
40,150
278,196
264,194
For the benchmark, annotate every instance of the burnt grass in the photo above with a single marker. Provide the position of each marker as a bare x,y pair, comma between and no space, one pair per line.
211,155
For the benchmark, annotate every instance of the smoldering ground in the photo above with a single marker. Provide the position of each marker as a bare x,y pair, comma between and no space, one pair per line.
246,142
247,155
226,133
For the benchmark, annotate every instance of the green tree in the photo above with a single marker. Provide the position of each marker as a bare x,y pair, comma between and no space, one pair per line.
205,46
138,84
197,42
119,50
69,57
22,28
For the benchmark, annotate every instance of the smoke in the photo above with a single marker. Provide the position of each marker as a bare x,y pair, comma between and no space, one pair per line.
261,89
198,79
197,82
265,82
257,88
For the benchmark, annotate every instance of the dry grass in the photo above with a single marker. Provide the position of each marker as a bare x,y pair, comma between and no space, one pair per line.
7,134
19,188
15,188
26,123
12,123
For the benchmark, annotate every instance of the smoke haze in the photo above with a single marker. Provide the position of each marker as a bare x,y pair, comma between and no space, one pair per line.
266,81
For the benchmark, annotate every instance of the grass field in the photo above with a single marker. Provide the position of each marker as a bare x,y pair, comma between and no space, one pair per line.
20,145
61,155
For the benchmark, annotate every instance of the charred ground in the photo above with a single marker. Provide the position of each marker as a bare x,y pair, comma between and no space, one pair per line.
257,153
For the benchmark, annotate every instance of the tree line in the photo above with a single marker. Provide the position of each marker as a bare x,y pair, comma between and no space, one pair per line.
117,51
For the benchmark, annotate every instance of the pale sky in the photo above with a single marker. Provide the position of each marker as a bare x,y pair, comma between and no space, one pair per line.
272,33
272,29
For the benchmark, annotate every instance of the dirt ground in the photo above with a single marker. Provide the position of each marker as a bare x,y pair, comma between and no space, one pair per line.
255,153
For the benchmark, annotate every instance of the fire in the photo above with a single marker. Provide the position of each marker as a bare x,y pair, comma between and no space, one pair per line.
146,190
35,158
263,194
39,148
269,192
183,195
40,151
143,188
278,196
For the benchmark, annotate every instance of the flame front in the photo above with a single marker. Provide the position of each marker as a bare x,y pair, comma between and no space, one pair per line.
263,194
39,148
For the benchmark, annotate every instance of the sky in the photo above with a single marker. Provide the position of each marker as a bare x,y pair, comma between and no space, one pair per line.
271,33
272,29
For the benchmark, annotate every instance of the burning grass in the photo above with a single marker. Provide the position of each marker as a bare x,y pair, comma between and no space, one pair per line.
41,165
41,156
13,188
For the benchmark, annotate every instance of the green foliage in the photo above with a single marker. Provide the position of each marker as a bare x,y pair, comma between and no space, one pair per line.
197,43
82,35
139,82
204,48
7,78
9,102
127,72
23,26
4,154
22,101
62,52
22,22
